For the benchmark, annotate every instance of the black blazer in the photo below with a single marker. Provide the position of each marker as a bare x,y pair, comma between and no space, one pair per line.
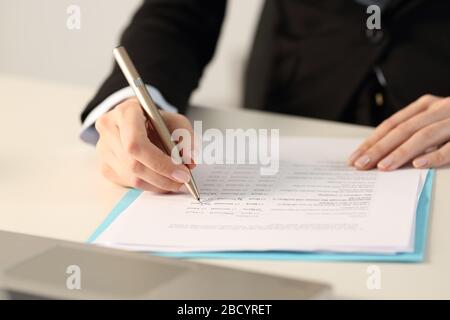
313,58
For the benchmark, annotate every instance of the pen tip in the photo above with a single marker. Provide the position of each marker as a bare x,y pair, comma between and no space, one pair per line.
198,199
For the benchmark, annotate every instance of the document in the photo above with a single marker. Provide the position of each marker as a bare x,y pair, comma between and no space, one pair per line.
314,203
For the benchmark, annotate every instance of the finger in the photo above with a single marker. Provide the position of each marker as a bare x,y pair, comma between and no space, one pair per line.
113,168
132,169
435,159
431,149
426,138
401,116
133,134
124,177
177,121
399,135
140,173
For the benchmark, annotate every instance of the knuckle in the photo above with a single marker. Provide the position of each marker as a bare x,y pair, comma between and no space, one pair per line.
127,105
135,167
133,147
436,106
377,150
426,98
439,158
101,123
121,108
132,102
159,166
387,124
401,152
162,164
137,183
405,129
442,103
425,134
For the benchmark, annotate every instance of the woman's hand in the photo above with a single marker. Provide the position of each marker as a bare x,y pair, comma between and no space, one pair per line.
130,152
419,133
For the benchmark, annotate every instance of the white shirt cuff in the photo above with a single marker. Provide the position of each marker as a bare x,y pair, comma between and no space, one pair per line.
90,135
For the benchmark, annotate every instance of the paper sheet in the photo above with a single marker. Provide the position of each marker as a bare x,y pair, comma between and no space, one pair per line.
314,203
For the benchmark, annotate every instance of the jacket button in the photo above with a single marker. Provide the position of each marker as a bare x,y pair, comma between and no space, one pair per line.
379,99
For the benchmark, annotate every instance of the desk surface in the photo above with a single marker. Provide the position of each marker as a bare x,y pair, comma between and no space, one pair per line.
50,186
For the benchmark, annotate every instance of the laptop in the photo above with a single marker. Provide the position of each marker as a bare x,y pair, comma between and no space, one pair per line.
33,267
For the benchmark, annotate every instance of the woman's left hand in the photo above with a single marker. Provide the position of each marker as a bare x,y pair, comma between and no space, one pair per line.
419,133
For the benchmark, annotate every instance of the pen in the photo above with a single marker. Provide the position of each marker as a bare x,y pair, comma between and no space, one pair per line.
149,106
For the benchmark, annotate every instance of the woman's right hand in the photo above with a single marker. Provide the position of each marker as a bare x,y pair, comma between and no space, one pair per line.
130,152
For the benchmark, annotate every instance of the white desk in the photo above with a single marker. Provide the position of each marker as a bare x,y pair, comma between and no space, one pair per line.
50,186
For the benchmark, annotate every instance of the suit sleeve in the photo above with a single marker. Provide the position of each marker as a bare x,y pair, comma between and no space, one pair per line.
171,42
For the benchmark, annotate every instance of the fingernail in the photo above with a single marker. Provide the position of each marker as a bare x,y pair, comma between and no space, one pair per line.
362,161
420,163
353,157
181,176
386,162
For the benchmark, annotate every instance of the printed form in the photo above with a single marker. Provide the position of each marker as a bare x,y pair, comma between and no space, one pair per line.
314,203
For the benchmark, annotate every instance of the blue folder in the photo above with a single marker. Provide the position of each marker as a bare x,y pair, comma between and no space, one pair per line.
418,255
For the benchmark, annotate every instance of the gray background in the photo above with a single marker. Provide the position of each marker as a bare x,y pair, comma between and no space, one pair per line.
34,41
